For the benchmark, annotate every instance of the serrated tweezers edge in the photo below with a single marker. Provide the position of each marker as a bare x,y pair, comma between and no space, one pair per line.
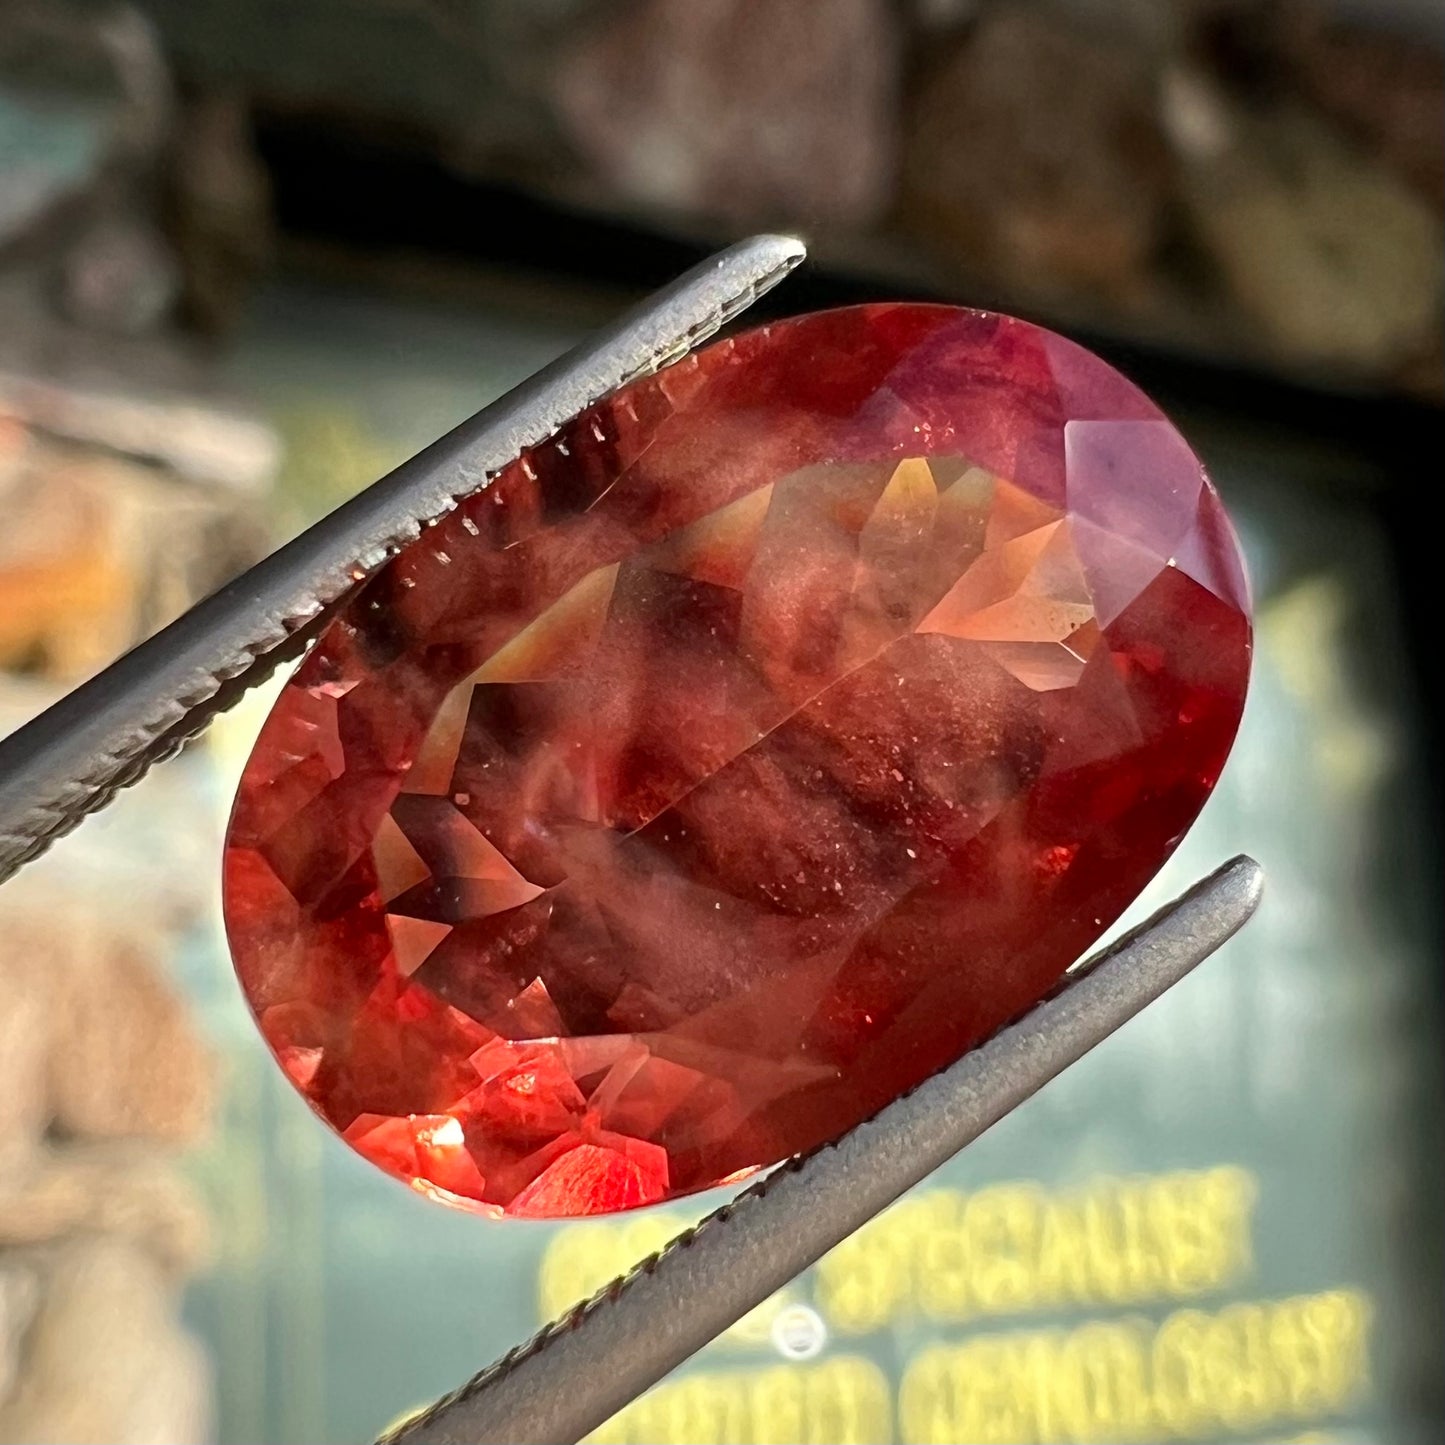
73,758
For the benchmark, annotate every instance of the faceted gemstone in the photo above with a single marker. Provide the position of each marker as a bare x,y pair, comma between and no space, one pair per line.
734,761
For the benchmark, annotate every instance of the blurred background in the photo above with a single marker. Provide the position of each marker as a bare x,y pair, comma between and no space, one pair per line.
254,252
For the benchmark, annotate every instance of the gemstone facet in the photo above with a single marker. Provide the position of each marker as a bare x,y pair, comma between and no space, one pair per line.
736,760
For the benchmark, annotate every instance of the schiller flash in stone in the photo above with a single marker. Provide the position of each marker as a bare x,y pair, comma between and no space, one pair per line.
736,760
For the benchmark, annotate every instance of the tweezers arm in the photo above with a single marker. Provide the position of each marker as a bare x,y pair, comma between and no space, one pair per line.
583,1369
74,757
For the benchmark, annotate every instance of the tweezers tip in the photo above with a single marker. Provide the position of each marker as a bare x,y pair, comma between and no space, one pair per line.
1243,880
760,262
781,247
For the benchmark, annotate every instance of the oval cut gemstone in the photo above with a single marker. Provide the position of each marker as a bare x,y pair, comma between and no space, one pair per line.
736,760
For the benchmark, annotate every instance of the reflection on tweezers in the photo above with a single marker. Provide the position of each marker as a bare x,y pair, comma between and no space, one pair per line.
585,1367
74,757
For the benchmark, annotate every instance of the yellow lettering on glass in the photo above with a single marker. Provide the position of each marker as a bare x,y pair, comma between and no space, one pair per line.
1014,1248
843,1401
1240,1369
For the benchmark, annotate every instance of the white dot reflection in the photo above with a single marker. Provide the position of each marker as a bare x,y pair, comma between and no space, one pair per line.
798,1332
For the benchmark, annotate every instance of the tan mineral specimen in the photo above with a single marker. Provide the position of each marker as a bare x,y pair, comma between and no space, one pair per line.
106,1359
1333,259
99,551
741,110
130,1190
94,1042
1032,154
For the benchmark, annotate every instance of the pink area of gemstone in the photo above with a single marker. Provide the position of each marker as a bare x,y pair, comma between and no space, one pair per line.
736,760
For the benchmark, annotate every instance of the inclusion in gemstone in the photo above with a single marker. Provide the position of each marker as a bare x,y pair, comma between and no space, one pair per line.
736,760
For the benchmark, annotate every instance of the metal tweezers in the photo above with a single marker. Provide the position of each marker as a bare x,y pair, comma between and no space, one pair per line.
580,1370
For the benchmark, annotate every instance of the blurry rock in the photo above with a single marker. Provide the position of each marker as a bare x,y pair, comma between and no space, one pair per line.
1153,27
130,1062
61,105
85,102
463,76
742,110
1033,155
129,1190
101,1073
220,208
119,276
942,14
1389,90
49,153
1423,374
97,558
94,1042
19,1292
204,441
115,1051
100,551
105,1358
24,1053
1384,87
1197,117
1328,254
66,603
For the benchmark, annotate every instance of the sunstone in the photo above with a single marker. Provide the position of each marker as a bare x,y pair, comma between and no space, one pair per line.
734,761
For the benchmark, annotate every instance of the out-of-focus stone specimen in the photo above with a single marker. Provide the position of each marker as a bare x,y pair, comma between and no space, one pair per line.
102,1076
1034,157
1011,152
106,1357
741,110
105,544
123,502
1333,259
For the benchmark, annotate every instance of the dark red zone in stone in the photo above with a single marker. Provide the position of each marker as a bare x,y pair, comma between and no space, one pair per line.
736,760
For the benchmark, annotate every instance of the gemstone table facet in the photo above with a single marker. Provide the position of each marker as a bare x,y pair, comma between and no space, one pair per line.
736,760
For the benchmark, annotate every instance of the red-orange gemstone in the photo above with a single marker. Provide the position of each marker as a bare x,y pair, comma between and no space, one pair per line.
736,760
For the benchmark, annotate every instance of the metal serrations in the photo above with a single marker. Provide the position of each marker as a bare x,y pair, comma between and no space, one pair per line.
583,1368
105,735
